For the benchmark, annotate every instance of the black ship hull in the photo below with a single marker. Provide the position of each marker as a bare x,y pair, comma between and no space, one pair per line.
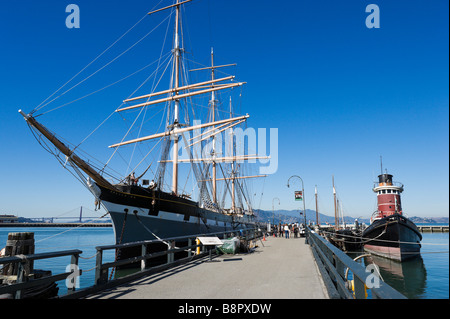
394,237
140,213
346,240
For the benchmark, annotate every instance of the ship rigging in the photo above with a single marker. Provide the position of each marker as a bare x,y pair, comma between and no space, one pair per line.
164,208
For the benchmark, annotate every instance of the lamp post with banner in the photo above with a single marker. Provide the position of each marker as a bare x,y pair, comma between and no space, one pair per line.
299,195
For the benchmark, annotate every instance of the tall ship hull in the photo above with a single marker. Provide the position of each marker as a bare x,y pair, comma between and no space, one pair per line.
139,214
391,234
394,237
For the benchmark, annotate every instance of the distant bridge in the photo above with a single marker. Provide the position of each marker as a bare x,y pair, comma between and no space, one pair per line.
51,220
59,219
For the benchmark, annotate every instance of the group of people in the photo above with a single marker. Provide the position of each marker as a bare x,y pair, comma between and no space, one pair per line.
286,230
133,180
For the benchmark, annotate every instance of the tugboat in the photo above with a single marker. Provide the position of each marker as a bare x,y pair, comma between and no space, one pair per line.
390,233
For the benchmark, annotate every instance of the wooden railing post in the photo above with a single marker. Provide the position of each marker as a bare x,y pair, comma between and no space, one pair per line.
143,253
101,275
74,267
21,277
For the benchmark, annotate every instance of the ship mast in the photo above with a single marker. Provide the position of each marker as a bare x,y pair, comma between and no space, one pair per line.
336,220
317,207
213,105
176,94
233,200
176,125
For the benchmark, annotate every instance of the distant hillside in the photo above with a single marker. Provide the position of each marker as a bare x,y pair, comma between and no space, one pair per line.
429,220
290,216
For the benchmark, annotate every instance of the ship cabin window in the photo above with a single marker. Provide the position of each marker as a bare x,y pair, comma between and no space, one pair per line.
388,191
394,191
384,191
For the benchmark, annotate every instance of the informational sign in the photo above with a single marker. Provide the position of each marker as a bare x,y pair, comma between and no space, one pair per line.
210,240
298,195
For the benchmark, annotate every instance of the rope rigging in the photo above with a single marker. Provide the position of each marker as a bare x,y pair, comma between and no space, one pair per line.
136,126
45,103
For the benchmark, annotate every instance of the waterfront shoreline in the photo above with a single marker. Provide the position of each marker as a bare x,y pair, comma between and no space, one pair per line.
41,225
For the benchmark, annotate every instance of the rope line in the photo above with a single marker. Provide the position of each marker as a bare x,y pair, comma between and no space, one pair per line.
41,105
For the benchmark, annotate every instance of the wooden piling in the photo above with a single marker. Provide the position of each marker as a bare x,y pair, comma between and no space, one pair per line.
18,244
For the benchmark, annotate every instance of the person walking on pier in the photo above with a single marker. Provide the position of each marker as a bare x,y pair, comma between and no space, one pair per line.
295,230
286,231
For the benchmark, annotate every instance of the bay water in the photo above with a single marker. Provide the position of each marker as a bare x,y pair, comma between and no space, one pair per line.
51,239
426,277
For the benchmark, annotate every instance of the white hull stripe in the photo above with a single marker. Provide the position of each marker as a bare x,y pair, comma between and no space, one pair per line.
143,213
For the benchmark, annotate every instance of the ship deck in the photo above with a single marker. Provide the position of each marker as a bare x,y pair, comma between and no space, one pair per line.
278,268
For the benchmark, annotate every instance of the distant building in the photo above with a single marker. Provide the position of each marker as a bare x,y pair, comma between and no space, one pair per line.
4,219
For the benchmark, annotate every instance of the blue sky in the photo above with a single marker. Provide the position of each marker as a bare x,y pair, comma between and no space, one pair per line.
339,93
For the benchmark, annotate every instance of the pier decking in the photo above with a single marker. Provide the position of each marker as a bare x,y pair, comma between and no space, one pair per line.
278,268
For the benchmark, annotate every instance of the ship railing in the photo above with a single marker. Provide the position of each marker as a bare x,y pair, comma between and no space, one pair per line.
375,215
194,250
24,281
397,184
334,265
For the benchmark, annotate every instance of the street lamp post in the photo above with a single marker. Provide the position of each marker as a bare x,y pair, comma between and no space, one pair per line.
303,193
273,210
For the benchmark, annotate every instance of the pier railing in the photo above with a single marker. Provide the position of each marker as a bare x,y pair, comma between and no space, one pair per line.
194,250
334,266
24,282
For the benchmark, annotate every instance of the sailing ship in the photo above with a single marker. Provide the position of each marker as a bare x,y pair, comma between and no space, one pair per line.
144,210
343,237
390,234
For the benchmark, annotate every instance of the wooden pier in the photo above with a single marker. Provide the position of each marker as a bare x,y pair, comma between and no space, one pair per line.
279,268
433,229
